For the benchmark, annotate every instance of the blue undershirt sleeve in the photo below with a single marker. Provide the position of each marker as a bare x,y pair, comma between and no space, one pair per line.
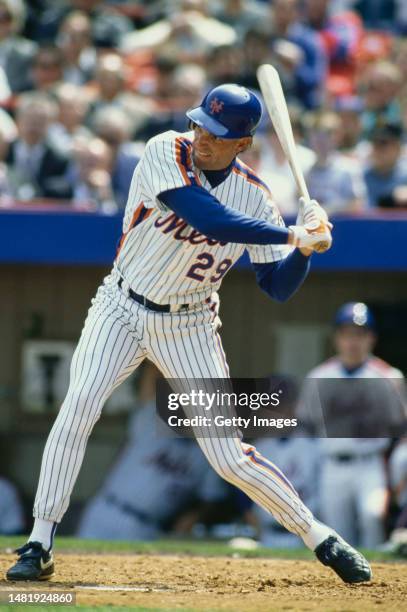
207,215
281,279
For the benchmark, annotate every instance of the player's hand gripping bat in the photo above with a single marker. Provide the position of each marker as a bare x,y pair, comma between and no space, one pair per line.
276,105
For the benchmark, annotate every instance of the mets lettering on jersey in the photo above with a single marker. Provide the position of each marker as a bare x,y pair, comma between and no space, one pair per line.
161,256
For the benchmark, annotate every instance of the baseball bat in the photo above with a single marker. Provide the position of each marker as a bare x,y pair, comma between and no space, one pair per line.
276,105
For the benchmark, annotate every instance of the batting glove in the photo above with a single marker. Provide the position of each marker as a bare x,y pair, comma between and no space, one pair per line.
310,237
312,214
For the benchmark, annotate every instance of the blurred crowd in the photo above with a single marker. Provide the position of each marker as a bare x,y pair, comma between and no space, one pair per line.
84,84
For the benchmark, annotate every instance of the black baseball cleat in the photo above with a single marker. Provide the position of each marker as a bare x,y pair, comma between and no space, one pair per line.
34,563
347,562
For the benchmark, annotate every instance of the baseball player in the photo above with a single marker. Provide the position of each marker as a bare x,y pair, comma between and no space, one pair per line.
193,208
355,465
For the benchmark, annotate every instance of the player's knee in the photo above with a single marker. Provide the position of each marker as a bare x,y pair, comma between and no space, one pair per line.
232,470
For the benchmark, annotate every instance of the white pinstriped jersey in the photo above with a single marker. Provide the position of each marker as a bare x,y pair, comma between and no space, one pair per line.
160,255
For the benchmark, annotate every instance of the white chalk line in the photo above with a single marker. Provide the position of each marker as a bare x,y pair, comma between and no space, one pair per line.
84,587
105,587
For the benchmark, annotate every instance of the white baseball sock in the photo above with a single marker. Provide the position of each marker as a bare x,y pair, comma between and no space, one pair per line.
43,531
317,534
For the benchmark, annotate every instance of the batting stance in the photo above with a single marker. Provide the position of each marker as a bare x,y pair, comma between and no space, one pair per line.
193,208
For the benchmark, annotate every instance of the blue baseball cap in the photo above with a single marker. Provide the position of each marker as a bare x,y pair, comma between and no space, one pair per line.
355,313
228,111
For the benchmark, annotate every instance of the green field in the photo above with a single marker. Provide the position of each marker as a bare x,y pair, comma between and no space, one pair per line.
187,547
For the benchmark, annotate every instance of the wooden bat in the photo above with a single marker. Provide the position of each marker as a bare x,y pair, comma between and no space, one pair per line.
276,105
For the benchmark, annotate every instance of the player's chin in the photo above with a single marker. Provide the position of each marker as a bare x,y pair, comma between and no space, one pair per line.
203,161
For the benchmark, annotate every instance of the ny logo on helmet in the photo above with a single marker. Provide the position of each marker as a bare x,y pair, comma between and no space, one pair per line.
216,106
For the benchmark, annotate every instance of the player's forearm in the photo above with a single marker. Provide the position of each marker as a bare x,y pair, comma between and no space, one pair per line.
281,279
207,215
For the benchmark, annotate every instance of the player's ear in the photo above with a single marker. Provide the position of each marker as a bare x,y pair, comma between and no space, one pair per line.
244,143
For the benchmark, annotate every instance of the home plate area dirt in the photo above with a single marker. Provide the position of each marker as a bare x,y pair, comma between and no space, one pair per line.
217,583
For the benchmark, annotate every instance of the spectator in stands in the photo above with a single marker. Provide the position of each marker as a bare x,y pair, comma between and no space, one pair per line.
401,17
16,52
73,103
110,89
348,109
340,34
12,520
39,169
377,15
176,91
5,186
75,41
114,127
7,126
298,54
91,176
187,35
224,65
380,87
386,175
241,15
256,50
400,59
48,69
335,181
5,91
108,26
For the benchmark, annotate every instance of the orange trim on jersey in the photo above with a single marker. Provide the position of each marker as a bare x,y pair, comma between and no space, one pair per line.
250,176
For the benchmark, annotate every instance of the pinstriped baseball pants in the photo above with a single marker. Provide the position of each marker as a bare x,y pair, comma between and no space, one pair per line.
117,336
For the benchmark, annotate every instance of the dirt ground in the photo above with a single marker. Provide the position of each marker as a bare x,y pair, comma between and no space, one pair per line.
217,583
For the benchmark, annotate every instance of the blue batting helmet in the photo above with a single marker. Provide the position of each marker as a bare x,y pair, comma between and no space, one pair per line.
355,313
228,111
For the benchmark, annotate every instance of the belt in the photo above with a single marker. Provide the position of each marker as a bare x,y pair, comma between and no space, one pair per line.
343,457
141,299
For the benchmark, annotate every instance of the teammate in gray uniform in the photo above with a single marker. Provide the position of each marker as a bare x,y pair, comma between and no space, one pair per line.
354,487
192,210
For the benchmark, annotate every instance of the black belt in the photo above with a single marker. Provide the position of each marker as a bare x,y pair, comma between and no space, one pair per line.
140,299
344,457
348,457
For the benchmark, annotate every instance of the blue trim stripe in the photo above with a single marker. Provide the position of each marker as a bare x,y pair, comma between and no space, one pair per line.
186,161
251,176
267,464
141,216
